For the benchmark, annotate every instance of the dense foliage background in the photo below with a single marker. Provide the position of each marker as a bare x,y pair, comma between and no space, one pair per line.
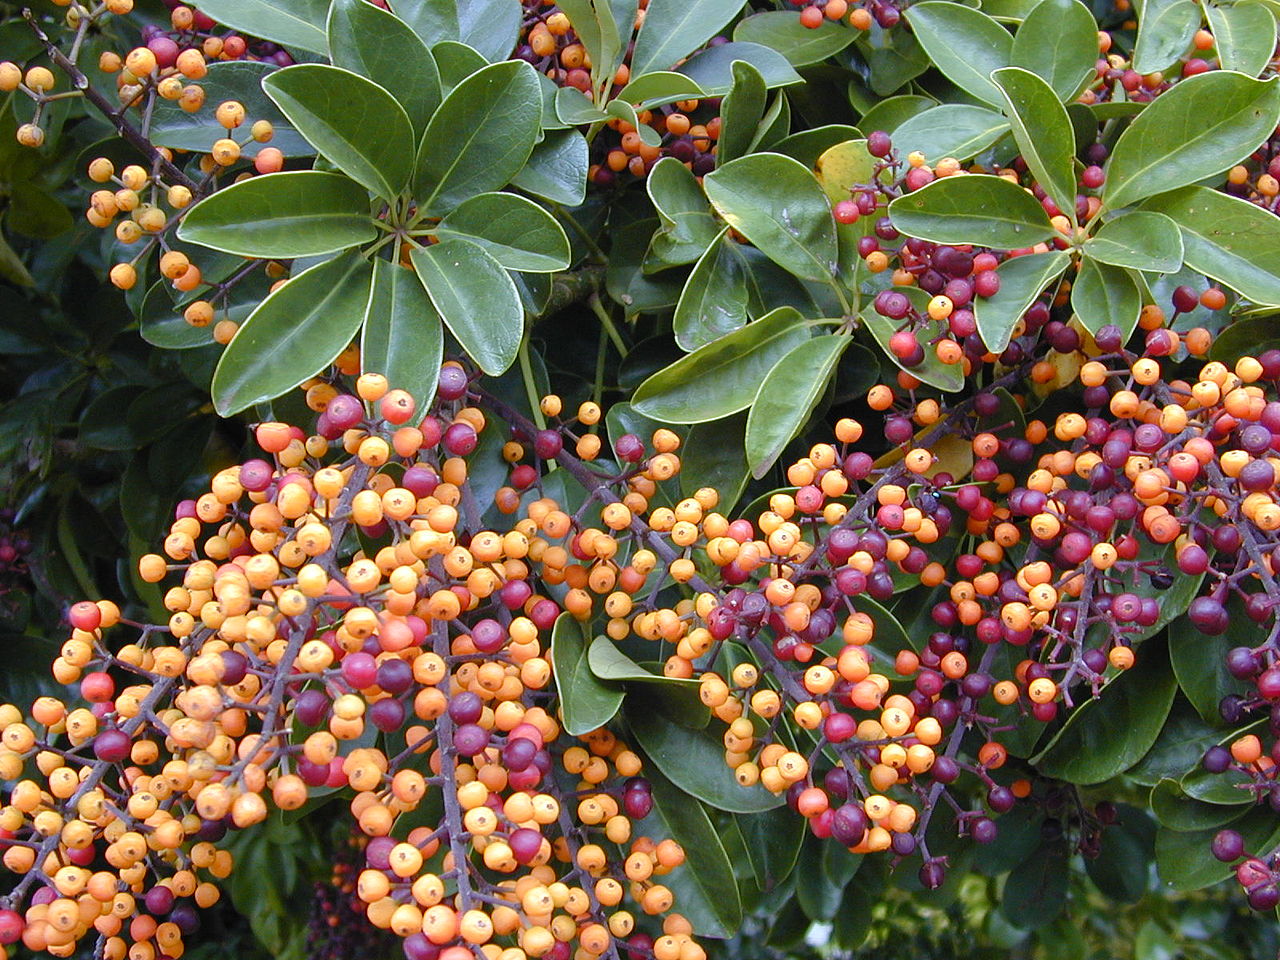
613,256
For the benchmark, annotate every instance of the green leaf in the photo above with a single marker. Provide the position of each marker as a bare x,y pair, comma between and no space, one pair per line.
1103,294
660,87
688,228
1036,890
481,136
1058,41
625,112
712,456
714,300
740,112
1244,34
516,232
818,897
294,23
609,663
295,333
972,208
1247,336
1109,734
674,28
586,702
489,26
403,338
298,214
1022,280
704,884
241,80
1179,748
773,839
1042,130
724,376
894,56
712,68
1201,127
782,30
1174,809
379,45
948,377
338,111
841,171
808,145
1183,858
891,113
787,396
1141,240
557,168
476,298
948,130
965,44
694,761
1122,869
456,61
1200,661
1226,238
779,206
1165,31
35,212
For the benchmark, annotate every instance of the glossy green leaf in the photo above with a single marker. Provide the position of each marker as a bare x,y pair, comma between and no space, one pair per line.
675,28
586,702
808,145
1229,789
1141,240
296,332
722,377
1204,125
1036,889
626,113
786,398
895,57
298,214
1042,130
1103,294
891,113
948,377
1200,661
714,300
973,208
740,112
1227,238
1180,747
1165,31
704,885
557,168
1185,862
241,80
965,44
1246,337
1122,870
778,205
713,457
403,337
948,130
782,30
481,136
660,87
1022,280
476,299
1058,41
294,23
516,232
456,61
376,44
489,26
1244,33
609,663
1107,735
336,110
694,761
1174,809
712,68
773,839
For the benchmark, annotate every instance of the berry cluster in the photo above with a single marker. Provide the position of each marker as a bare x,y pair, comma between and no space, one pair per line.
284,651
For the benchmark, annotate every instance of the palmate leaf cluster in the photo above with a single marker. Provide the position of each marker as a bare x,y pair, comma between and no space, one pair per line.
730,307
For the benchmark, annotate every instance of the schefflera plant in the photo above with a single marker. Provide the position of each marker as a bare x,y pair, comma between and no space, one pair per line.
402,227
768,344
